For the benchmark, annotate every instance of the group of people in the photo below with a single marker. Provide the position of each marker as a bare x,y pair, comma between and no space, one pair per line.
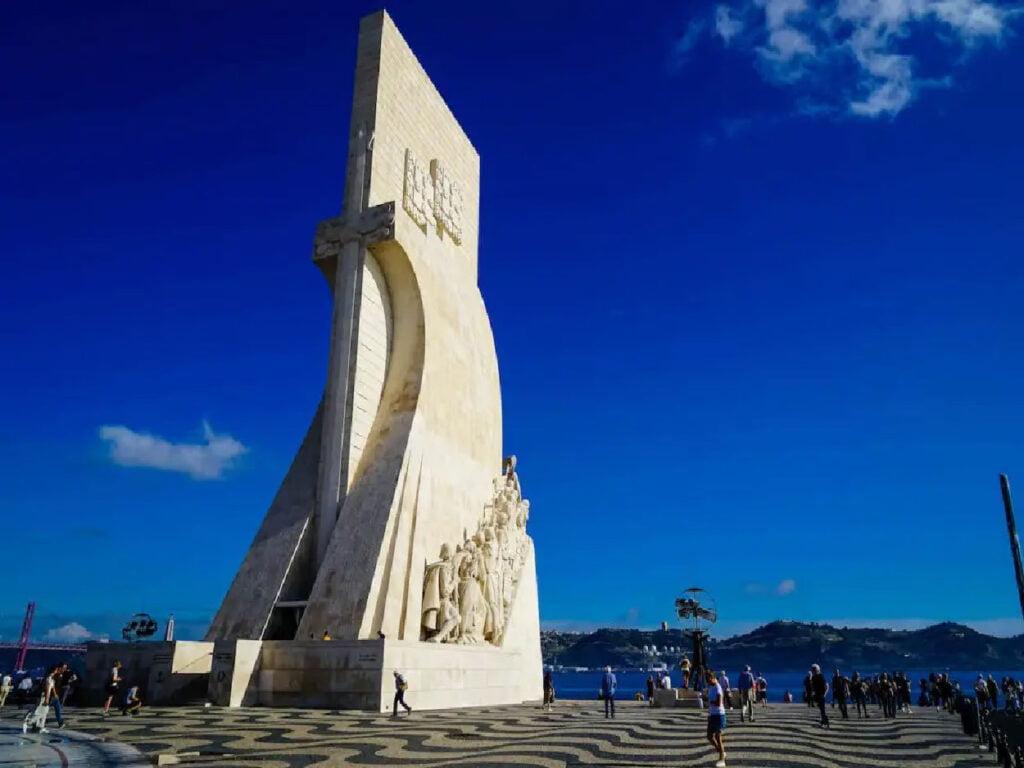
53,691
116,690
55,687
988,691
890,692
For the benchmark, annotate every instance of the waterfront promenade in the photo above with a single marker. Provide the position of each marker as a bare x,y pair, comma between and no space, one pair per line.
575,734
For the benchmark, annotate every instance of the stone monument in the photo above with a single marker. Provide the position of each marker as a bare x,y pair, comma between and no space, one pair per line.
399,532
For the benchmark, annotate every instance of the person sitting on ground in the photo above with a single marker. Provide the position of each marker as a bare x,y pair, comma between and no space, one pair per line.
787,697
132,702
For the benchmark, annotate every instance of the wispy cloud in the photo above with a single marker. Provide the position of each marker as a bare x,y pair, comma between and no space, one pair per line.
201,461
785,587
687,41
855,57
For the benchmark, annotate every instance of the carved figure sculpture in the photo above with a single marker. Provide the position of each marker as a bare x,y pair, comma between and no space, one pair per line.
440,611
468,594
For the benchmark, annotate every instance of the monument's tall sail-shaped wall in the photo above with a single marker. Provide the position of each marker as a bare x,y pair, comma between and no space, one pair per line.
397,518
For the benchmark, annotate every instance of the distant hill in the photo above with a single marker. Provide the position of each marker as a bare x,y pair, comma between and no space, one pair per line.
784,646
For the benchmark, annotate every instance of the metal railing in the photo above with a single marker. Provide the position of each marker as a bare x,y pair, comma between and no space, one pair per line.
1002,731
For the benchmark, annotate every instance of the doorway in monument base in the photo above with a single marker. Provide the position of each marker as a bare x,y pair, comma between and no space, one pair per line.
284,621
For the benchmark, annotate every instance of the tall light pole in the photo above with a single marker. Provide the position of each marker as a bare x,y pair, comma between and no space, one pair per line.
1011,528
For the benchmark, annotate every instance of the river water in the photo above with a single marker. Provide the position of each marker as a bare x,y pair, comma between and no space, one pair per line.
585,685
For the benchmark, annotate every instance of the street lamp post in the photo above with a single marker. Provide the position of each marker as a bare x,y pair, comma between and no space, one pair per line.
1011,528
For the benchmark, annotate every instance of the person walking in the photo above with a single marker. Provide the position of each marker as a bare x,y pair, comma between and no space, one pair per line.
400,688
747,695
685,667
762,691
716,716
608,683
549,691
819,689
840,692
993,692
650,690
723,680
6,686
51,693
67,683
860,697
113,685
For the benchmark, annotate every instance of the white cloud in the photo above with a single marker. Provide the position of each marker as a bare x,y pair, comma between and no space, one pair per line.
72,632
856,56
727,25
201,461
785,587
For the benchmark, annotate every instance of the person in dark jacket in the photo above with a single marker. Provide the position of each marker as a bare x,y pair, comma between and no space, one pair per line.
549,691
400,688
840,693
993,692
858,690
819,689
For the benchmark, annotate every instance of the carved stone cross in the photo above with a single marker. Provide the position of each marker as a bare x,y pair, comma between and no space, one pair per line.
340,252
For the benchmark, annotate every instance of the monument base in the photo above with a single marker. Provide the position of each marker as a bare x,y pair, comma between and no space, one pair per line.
358,674
172,672
678,697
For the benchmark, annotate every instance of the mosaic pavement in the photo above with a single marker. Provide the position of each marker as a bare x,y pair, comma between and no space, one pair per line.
576,733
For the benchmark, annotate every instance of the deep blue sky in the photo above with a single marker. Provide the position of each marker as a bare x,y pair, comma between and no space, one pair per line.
749,334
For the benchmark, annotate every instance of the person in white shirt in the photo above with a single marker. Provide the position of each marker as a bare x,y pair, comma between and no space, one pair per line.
5,688
51,694
113,686
716,716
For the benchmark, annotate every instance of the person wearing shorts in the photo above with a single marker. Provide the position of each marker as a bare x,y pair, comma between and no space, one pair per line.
113,685
716,716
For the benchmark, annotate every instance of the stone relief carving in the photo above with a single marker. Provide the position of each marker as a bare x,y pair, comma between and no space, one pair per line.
447,202
418,199
469,591
432,198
